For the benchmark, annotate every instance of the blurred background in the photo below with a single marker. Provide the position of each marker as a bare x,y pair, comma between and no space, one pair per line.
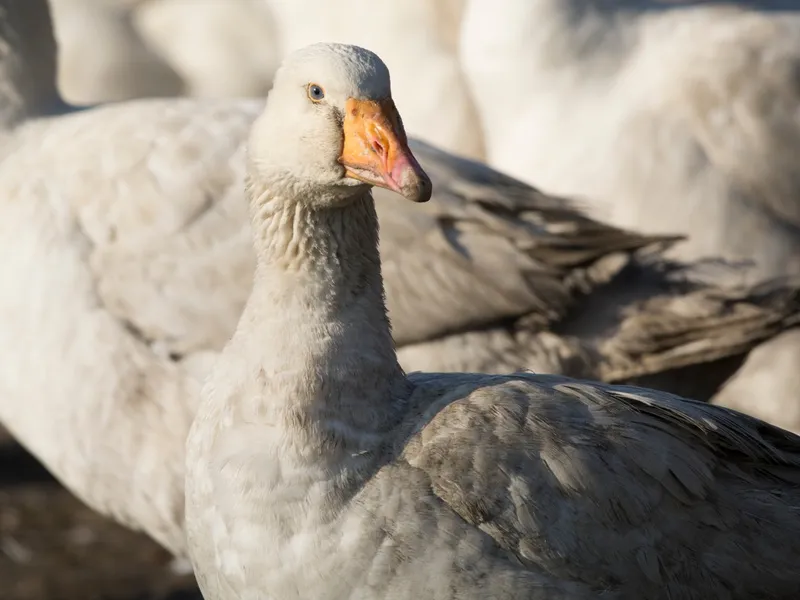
664,116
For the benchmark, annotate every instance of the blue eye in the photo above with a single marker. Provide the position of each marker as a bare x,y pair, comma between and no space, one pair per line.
315,92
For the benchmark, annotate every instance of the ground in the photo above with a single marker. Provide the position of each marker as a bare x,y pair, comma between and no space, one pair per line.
52,547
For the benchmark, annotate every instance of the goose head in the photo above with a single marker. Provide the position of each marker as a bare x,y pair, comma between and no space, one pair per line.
330,129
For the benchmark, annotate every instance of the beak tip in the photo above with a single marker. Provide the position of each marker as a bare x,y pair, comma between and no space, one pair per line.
421,192
375,150
415,185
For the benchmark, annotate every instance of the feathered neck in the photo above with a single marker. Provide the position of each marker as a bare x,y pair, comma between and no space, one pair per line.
28,71
318,316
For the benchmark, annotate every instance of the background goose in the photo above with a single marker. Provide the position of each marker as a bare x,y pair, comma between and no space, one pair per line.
756,379
667,116
671,116
132,260
102,56
221,49
315,467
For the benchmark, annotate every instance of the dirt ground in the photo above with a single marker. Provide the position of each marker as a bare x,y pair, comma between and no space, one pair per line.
52,547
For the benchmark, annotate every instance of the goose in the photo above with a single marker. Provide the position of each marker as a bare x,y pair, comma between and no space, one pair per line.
316,468
102,56
418,39
129,260
663,116
221,49
668,117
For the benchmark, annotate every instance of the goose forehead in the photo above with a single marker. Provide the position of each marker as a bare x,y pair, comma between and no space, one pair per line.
350,70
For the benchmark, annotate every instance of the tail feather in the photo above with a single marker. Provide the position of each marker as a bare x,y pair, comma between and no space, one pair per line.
701,326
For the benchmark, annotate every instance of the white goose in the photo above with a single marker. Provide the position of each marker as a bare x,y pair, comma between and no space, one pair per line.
102,56
221,49
317,469
672,116
129,259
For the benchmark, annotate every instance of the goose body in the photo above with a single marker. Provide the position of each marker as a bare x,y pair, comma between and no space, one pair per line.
130,260
669,116
317,468
666,116
221,49
103,58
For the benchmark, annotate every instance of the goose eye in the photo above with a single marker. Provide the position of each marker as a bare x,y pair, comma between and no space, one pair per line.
315,92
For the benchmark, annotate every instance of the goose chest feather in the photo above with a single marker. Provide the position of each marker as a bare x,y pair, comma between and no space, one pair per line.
316,468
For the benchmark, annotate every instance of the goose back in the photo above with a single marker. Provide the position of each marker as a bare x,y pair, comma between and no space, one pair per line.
680,114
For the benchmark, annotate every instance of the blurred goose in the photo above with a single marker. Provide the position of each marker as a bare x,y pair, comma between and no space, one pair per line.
418,40
129,260
673,116
221,49
317,468
102,56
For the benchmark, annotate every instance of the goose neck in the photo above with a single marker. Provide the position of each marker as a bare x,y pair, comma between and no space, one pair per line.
328,361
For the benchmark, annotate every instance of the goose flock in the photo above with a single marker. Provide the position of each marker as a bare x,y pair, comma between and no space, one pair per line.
196,330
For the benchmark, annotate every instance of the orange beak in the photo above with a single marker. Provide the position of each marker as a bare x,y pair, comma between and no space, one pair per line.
376,150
